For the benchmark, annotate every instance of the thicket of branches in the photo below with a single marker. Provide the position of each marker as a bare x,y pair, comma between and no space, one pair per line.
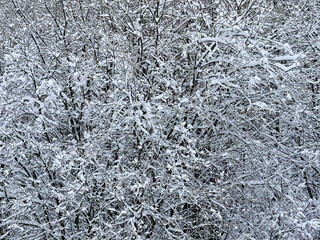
159,119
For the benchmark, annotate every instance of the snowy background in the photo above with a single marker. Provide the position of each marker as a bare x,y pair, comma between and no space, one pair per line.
159,119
